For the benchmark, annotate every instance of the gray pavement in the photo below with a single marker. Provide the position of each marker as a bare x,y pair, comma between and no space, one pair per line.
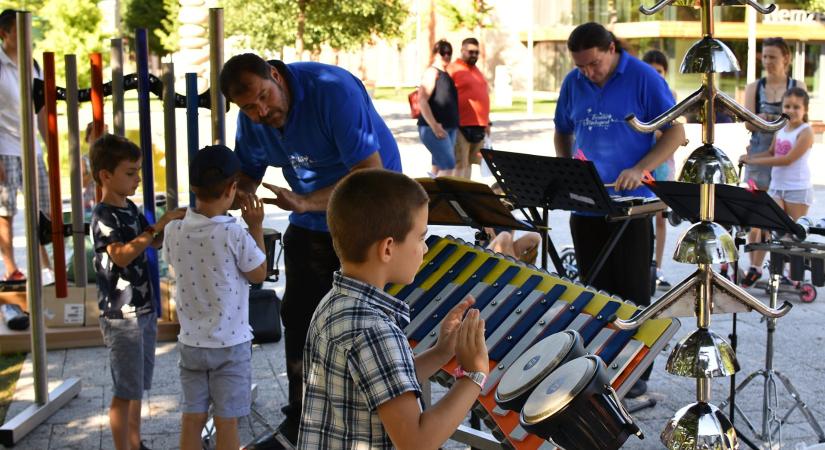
83,423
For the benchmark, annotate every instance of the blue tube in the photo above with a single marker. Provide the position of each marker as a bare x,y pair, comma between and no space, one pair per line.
145,120
192,121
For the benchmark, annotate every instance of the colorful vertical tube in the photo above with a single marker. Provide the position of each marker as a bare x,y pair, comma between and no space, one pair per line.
217,102
170,136
192,121
118,120
97,102
76,178
60,282
145,120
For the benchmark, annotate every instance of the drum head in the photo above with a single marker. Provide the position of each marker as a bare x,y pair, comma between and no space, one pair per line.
535,364
559,389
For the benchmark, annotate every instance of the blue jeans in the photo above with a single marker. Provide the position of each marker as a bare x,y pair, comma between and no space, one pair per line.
443,150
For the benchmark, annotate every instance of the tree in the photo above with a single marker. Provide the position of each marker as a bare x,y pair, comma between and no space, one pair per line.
159,17
473,15
72,27
269,25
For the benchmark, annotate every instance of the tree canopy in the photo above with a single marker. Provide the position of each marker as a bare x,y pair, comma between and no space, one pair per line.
159,17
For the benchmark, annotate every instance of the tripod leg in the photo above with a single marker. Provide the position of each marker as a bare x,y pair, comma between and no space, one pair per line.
803,407
742,386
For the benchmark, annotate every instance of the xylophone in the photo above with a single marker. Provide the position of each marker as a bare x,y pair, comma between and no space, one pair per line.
521,305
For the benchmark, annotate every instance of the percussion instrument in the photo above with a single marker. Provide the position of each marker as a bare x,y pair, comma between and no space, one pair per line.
522,305
634,207
534,365
801,256
578,409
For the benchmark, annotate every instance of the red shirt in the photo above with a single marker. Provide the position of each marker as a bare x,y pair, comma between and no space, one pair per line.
473,97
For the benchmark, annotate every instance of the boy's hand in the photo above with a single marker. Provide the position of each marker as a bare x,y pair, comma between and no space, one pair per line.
170,216
448,332
252,210
471,349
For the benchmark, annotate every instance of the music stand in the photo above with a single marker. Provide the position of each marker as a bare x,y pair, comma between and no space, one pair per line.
545,183
458,201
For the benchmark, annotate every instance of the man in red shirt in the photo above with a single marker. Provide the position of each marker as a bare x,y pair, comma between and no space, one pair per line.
473,107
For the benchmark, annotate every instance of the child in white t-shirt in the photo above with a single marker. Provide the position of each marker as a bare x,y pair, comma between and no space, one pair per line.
214,259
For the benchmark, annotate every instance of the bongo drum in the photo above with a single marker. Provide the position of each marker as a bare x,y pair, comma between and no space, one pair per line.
535,365
577,408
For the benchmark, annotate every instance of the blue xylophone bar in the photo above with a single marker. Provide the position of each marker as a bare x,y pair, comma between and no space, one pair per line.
527,321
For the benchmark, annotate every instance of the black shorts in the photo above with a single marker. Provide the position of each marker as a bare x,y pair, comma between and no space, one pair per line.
309,262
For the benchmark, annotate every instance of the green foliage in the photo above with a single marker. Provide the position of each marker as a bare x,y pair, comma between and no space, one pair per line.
71,27
270,25
159,17
812,5
471,15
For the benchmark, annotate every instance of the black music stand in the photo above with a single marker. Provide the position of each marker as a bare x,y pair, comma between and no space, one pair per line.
461,202
545,183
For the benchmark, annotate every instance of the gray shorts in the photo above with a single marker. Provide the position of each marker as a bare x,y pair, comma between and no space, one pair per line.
799,196
221,376
761,175
12,180
131,344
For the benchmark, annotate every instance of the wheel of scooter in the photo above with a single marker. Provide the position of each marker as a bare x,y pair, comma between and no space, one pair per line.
807,293
673,218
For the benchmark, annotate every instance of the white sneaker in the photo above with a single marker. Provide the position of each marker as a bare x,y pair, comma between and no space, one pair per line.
47,277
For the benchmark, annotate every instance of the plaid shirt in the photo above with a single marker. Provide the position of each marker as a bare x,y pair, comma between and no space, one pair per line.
356,358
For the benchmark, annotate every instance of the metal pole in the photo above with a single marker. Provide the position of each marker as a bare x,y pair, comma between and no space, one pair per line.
33,284
76,183
750,17
60,285
192,121
215,65
118,120
170,136
145,120
530,69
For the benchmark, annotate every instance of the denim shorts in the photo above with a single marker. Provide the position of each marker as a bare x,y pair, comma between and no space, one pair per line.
443,150
131,343
799,196
222,376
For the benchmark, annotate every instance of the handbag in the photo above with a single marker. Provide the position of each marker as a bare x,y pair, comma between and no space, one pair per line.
415,111
265,315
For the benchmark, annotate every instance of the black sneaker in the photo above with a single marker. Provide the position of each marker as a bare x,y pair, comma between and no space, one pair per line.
751,277
638,389
143,446
289,429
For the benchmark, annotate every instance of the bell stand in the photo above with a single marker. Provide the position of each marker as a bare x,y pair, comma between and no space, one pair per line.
771,423
704,244
45,403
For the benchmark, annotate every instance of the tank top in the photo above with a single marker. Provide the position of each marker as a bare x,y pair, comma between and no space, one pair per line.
443,102
796,175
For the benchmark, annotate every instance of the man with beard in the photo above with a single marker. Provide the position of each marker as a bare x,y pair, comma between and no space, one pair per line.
317,123
473,107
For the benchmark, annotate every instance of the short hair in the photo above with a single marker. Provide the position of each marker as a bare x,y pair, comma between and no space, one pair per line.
230,77
798,92
779,43
590,35
655,57
8,18
442,46
469,40
108,151
215,190
370,205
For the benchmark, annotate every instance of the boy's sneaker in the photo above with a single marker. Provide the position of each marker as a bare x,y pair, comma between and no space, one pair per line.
661,283
751,277
47,278
143,446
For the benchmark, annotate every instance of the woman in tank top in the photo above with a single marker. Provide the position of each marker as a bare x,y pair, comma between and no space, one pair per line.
438,100
764,98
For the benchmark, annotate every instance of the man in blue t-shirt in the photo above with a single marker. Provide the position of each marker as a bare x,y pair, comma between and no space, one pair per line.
605,87
317,123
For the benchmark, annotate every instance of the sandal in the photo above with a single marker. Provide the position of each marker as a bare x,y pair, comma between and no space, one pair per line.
751,277
15,277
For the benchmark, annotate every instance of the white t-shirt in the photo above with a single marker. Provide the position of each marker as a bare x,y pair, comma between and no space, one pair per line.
10,111
209,257
796,175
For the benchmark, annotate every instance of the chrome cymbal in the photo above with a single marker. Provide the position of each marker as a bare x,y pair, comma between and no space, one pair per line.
699,426
709,164
706,243
709,55
702,354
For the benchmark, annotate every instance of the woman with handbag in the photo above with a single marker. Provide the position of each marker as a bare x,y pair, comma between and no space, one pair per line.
438,101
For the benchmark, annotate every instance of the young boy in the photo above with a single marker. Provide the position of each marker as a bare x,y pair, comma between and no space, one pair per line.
362,383
215,260
128,321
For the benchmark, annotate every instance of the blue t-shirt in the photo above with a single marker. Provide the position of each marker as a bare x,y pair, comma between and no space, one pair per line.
595,116
332,125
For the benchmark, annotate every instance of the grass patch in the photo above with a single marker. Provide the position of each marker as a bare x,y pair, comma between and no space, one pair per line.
10,366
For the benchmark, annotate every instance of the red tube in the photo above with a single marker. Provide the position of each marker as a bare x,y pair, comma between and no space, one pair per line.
54,176
97,103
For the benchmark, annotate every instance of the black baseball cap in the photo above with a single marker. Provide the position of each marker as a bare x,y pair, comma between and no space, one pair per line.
213,164
8,18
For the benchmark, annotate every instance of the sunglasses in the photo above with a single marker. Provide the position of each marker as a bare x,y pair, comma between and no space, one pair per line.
446,53
473,52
